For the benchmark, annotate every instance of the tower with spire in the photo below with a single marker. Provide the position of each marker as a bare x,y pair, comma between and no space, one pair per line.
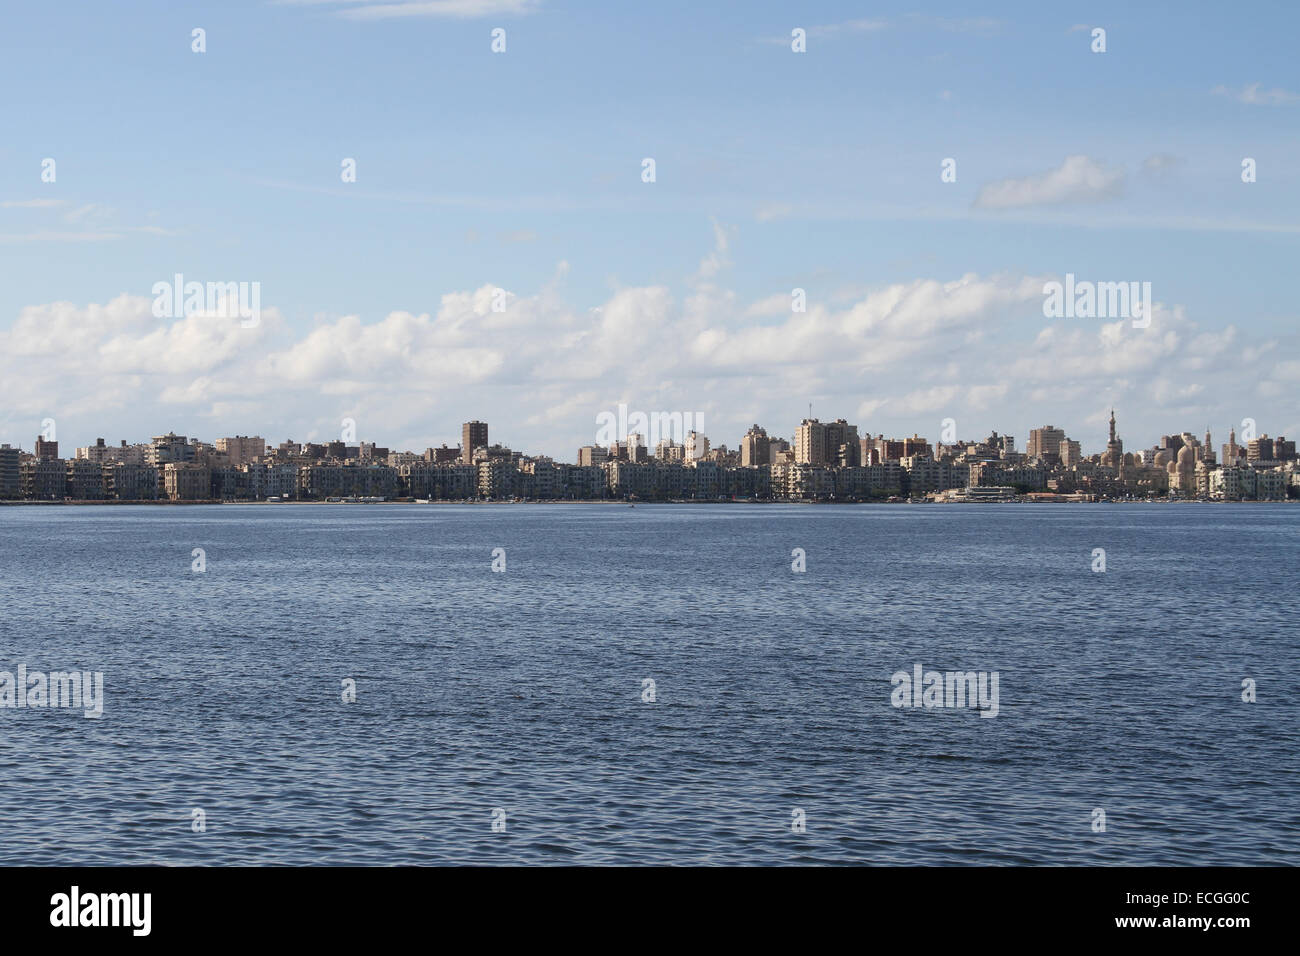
1114,457
1231,451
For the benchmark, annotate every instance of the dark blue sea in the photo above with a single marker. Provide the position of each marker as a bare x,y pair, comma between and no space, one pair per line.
522,691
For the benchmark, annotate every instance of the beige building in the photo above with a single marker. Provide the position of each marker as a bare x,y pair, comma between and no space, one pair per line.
755,447
242,449
169,448
186,481
810,443
1045,442
696,446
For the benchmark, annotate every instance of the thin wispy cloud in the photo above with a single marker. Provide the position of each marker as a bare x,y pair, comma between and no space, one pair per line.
31,203
823,31
59,236
451,9
978,25
1160,164
1256,95
772,212
90,222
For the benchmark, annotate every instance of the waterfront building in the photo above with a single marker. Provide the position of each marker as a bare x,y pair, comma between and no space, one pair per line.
130,481
11,484
440,455
755,447
186,481
1260,449
169,448
43,479
1045,443
85,480
242,449
473,436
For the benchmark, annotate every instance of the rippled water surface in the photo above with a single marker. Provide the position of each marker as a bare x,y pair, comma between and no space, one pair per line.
522,690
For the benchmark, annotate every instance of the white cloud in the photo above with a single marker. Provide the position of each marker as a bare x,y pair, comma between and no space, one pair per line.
771,212
1078,179
716,260
980,25
31,203
457,9
1255,95
900,357
1160,163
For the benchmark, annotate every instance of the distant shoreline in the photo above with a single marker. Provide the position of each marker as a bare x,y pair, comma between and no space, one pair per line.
68,502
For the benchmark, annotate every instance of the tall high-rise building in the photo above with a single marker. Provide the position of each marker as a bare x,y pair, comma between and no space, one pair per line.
916,445
696,446
1070,453
810,442
473,436
842,443
1260,449
46,450
10,474
755,447
592,455
1045,442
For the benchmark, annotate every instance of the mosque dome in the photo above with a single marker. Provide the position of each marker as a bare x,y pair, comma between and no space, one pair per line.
1162,459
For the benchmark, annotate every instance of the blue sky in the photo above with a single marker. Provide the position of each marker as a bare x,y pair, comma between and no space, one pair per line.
522,171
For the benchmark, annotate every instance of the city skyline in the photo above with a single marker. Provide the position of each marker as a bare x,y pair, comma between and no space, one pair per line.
826,461
480,439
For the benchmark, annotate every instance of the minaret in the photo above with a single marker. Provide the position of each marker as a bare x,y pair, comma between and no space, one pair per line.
1114,448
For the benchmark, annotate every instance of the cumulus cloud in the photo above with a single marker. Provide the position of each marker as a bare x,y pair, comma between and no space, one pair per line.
1078,179
896,357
